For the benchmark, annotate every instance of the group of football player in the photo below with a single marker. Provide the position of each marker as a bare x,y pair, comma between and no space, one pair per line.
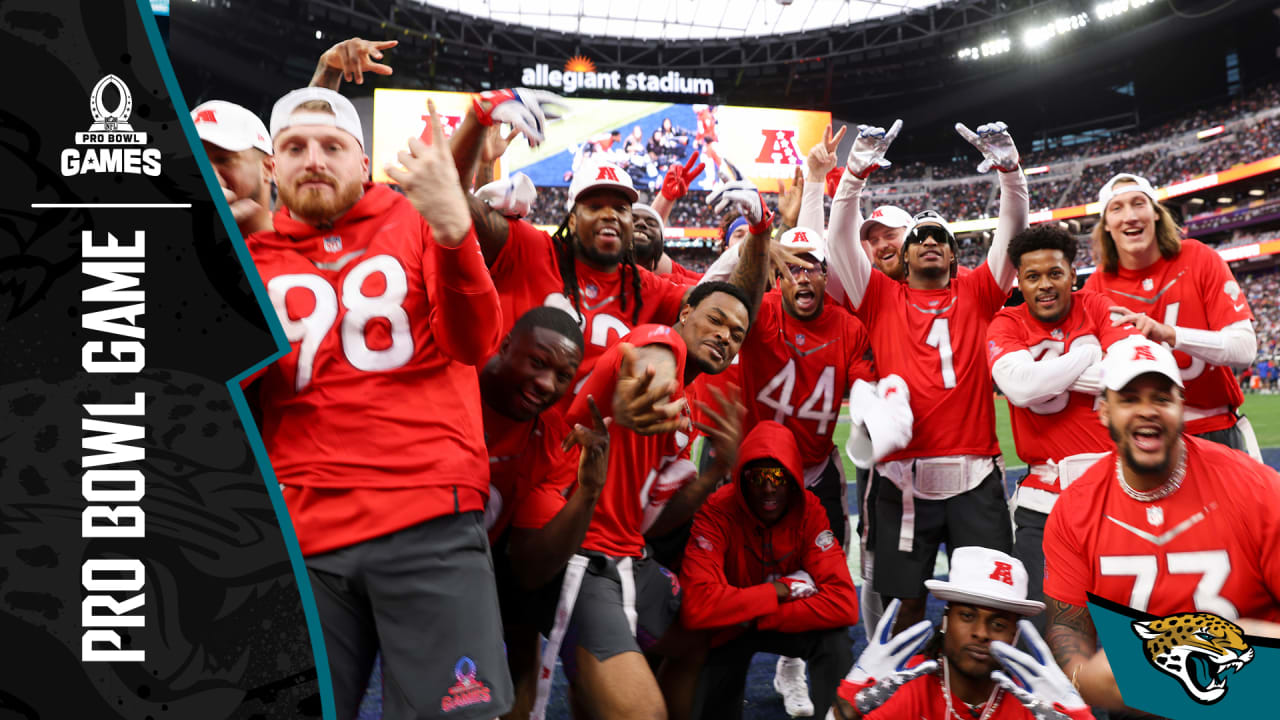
484,432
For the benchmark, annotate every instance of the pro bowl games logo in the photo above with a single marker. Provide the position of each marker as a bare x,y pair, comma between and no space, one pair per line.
111,145
1199,650
467,690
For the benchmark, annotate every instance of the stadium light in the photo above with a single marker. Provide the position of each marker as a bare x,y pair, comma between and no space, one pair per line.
1257,192
999,46
1216,130
1107,10
1041,34
1036,170
1224,200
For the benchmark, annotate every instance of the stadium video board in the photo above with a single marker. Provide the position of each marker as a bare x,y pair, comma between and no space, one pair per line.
766,144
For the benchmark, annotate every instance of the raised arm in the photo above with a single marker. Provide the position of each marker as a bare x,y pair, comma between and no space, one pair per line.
753,257
999,152
349,60
845,255
820,161
676,184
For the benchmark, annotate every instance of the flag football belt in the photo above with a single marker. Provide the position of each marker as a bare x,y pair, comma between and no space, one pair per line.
1061,473
937,478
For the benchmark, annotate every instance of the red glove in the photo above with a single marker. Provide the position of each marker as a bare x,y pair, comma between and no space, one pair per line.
676,183
833,180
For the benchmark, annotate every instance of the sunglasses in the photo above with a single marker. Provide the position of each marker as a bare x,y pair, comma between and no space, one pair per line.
815,271
761,477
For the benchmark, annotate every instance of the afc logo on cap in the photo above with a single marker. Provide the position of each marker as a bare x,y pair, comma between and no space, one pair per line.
1003,572
604,172
1143,352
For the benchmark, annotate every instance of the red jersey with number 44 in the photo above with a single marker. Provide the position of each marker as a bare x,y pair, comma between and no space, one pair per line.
797,372
1193,290
527,274
635,461
1066,424
1210,546
373,418
935,340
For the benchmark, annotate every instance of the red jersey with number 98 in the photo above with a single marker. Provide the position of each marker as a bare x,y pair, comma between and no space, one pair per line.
798,372
1210,546
1196,290
935,340
379,391
527,274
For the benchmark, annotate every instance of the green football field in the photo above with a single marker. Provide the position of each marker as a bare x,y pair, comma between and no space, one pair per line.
1263,411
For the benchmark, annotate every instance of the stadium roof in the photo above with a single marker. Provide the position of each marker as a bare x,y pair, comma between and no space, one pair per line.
680,19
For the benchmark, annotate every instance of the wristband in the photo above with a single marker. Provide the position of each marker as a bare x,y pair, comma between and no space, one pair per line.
494,98
766,221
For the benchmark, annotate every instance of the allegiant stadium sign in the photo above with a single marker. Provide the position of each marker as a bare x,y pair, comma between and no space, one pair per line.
580,74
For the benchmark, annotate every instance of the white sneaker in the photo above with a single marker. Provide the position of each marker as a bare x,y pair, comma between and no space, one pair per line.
788,680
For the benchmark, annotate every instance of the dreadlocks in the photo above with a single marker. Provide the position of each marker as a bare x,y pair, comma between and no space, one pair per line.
566,257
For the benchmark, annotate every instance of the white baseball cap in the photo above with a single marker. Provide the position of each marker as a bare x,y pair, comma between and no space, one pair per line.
1128,183
645,209
805,240
1133,356
344,117
889,216
986,578
601,174
230,126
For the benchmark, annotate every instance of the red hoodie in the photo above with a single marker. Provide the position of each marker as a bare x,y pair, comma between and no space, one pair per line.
732,558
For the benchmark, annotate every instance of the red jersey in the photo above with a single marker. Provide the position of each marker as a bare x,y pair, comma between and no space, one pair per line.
528,472
1193,290
935,340
732,558
527,274
635,461
706,126
681,275
797,372
376,312
925,698
1210,546
1067,424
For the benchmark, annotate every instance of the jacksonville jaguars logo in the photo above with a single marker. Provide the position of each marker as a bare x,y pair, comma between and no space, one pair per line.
1197,649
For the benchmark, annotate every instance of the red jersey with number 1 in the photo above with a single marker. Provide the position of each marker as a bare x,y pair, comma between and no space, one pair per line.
635,461
797,372
1210,546
1193,290
935,340
527,274
1067,424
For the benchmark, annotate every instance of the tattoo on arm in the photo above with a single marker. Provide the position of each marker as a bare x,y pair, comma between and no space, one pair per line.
491,228
750,273
1070,633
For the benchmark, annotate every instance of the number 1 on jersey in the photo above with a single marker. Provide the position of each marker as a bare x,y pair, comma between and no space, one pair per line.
940,337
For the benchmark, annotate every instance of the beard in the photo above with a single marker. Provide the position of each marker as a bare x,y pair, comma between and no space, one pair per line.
312,205
597,257
1158,468
646,251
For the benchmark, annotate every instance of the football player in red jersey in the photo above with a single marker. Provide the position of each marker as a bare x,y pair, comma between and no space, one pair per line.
1181,293
764,572
386,496
1165,523
1045,356
948,483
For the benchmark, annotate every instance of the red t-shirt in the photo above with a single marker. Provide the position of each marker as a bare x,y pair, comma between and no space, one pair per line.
526,274
1193,290
1066,424
528,472
635,461
925,698
374,317
797,372
935,341
1210,546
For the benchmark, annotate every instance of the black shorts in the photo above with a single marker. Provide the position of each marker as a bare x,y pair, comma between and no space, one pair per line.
831,489
425,597
977,517
624,605
1028,547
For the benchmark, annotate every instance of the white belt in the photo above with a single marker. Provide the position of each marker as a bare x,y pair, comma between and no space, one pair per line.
564,611
1063,473
937,478
1194,413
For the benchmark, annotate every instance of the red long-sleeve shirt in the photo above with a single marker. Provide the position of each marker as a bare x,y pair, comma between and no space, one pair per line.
373,420
733,558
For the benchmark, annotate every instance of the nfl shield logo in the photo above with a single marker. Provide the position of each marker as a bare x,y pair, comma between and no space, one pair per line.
1056,334
333,244
1148,284
1155,516
591,291
799,339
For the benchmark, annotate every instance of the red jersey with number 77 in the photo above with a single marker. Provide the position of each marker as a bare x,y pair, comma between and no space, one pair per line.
1066,424
797,372
1196,290
1210,546
935,340
527,274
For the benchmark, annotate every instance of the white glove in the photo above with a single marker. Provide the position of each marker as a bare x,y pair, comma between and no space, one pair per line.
1045,690
801,584
743,195
995,144
526,110
512,196
882,667
881,418
869,149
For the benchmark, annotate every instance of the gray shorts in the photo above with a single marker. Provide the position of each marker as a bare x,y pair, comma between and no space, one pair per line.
425,597
614,590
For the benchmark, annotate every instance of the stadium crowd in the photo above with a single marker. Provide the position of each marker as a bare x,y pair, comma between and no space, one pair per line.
483,431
